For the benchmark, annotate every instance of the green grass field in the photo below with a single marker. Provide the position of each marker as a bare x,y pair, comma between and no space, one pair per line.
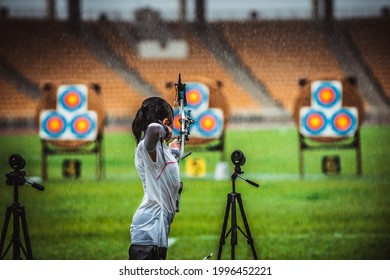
318,217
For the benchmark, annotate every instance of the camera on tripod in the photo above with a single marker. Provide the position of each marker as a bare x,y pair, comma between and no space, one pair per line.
16,162
234,198
16,177
238,158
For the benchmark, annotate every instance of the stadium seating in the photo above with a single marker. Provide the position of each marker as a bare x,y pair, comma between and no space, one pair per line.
14,105
199,63
372,37
278,53
49,52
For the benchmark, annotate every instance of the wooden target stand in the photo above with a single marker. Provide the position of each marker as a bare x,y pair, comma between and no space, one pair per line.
307,144
216,100
73,147
52,148
350,98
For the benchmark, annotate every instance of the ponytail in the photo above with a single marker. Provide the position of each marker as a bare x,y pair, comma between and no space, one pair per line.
153,109
138,125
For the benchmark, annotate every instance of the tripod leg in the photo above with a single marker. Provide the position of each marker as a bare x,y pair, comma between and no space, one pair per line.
233,240
4,231
29,254
248,232
16,235
223,237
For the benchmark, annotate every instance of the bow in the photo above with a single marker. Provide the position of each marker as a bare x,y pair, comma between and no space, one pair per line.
185,126
185,121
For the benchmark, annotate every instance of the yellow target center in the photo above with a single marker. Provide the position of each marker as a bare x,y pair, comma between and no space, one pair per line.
72,99
327,95
342,122
315,122
55,124
82,125
193,96
208,123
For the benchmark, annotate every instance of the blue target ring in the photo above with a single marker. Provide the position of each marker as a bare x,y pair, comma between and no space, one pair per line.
82,126
314,122
327,95
209,123
72,99
196,95
54,125
343,122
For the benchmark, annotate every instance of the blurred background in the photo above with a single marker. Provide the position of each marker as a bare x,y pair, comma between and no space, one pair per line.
257,49
258,59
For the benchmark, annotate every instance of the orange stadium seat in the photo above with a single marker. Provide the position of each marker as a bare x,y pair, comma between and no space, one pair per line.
372,37
49,52
278,53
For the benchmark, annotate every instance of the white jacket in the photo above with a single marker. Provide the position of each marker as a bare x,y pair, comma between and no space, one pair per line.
161,184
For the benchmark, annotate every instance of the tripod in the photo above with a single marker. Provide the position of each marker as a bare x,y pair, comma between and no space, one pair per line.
17,178
232,198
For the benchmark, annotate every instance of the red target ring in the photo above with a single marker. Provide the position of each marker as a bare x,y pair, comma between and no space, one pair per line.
314,122
82,126
326,95
194,97
209,123
176,122
53,125
197,95
72,99
344,122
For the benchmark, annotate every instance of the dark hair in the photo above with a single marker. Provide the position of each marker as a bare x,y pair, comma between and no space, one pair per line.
153,109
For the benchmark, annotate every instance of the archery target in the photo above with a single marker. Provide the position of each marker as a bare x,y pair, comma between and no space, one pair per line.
209,124
313,122
72,98
326,94
71,120
53,125
84,126
176,122
197,95
340,105
344,122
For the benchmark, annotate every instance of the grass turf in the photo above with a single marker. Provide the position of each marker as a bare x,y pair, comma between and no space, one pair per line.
318,217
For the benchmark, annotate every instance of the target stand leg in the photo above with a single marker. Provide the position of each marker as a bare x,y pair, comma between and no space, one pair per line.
45,152
358,150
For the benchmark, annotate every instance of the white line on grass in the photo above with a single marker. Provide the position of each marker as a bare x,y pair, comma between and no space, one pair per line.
336,235
171,241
